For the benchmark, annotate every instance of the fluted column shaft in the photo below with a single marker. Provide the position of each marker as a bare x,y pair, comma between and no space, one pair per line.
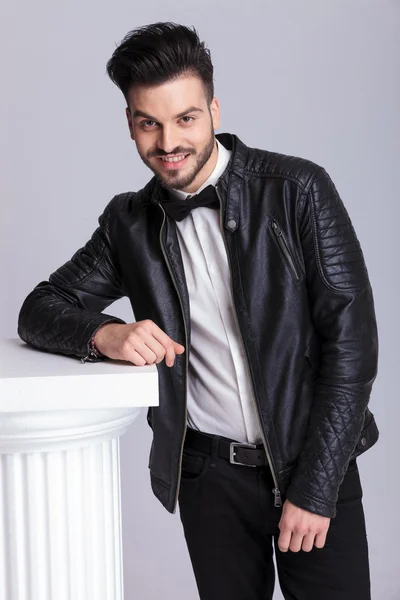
60,517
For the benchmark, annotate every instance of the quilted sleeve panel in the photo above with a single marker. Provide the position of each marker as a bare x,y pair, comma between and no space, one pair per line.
342,308
338,250
62,314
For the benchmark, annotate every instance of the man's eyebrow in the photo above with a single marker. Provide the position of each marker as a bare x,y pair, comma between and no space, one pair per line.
140,113
189,110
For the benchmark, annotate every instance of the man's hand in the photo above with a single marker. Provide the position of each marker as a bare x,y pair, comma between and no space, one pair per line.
141,343
301,529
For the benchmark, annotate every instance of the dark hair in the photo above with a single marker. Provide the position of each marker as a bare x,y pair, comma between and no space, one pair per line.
157,53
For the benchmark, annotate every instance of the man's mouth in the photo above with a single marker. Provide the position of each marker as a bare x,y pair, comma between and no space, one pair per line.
177,158
174,162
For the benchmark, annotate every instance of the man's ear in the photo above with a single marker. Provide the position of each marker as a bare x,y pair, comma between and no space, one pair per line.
215,113
130,122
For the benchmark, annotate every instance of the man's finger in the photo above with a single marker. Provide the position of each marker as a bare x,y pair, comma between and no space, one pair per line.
296,542
166,342
144,351
284,540
154,346
308,542
320,539
160,335
179,349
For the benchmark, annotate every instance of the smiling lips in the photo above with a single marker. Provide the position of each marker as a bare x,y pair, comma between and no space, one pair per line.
174,162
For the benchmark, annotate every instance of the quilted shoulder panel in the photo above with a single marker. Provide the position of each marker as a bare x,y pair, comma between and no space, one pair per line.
274,164
340,258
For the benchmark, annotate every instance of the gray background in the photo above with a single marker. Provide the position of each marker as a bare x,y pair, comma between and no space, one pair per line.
319,79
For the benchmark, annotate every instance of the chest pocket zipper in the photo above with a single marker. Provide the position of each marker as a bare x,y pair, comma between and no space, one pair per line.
279,235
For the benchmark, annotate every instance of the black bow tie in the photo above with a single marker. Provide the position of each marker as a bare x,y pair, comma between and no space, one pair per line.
179,209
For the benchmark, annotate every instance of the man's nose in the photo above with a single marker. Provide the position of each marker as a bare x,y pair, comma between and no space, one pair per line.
168,140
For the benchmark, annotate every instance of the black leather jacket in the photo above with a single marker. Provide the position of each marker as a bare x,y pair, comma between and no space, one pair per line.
303,303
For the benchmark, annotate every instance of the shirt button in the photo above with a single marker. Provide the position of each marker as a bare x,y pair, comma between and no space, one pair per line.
363,441
231,224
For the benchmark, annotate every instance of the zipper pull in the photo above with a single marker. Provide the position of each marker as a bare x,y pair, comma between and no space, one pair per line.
277,229
88,358
278,498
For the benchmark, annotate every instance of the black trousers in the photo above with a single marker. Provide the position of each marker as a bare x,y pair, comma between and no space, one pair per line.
231,527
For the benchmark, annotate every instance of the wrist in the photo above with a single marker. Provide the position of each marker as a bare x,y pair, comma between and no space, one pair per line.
96,346
93,353
98,338
93,348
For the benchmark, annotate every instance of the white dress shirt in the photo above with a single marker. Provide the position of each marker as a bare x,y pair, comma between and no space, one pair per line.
220,399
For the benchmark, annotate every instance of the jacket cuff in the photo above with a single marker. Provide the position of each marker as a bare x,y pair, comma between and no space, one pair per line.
95,324
313,505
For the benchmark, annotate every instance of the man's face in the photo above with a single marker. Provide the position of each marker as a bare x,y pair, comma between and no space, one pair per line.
173,127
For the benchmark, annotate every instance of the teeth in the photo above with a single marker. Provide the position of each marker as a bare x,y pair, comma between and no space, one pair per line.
174,158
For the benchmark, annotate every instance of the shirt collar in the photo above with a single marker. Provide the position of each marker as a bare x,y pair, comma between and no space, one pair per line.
224,156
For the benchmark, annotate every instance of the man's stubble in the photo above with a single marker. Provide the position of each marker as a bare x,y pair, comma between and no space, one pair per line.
173,180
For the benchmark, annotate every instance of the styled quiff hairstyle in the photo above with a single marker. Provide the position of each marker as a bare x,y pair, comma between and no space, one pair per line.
157,53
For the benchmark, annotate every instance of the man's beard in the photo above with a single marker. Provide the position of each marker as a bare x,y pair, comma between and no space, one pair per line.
173,179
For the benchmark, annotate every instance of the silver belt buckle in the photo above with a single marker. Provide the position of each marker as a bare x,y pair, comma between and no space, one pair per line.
232,453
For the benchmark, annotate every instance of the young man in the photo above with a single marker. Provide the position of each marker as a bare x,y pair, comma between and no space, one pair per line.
251,295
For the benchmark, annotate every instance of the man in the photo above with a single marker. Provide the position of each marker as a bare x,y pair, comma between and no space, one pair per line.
253,299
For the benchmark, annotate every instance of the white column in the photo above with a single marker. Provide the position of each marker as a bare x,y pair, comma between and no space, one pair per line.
60,516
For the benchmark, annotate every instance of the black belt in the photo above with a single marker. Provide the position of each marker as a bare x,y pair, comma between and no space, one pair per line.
248,455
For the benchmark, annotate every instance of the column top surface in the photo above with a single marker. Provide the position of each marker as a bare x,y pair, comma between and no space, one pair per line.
32,380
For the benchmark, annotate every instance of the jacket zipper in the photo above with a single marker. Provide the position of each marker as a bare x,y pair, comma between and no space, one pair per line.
94,353
284,247
186,352
276,491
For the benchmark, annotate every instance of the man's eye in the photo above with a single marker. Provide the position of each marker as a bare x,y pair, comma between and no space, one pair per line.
188,119
148,123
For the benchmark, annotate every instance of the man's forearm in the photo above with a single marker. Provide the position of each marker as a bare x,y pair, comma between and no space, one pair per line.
50,323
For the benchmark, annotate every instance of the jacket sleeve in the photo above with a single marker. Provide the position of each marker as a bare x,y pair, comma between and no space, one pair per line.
61,315
343,314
